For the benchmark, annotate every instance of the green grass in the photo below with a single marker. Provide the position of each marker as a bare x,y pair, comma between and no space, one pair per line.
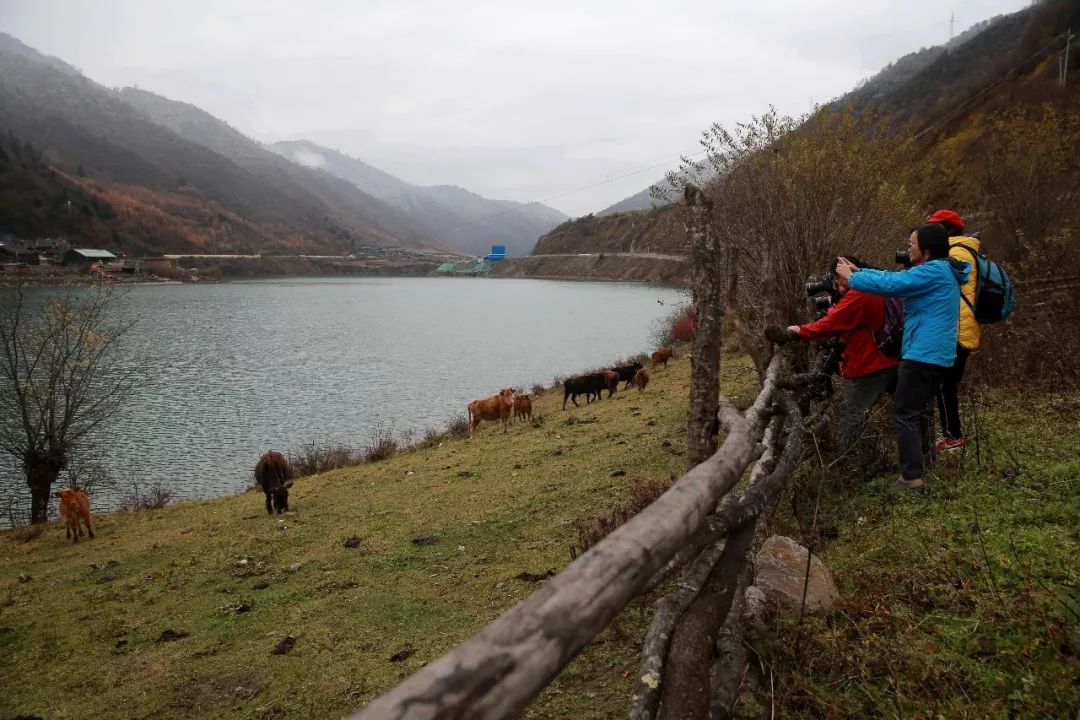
501,504
960,605
908,641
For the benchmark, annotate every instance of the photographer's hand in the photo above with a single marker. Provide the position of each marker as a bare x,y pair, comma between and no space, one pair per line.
793,331
779,335
844,268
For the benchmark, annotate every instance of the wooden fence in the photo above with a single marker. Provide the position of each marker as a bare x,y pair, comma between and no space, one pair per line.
699,528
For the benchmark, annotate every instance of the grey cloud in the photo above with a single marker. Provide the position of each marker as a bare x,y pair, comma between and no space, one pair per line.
514,100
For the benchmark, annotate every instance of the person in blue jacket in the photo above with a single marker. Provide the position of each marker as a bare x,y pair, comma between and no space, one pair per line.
931,288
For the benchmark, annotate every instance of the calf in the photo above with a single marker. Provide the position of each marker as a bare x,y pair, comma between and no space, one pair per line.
75,507
611,381
272,472
626,373
587,385
641,379
496,407
522,407
661,356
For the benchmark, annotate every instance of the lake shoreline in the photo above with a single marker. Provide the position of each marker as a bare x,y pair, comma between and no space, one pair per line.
234,368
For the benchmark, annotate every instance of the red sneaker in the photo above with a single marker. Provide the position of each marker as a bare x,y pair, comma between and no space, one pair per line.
947,443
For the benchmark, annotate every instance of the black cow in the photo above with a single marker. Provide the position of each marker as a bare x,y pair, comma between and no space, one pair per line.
626,373
271,472
587,385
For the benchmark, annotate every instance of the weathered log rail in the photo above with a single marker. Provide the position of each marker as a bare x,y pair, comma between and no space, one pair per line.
495,673
698,527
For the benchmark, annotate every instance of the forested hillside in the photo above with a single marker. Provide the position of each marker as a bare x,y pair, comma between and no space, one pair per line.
80,128
968,109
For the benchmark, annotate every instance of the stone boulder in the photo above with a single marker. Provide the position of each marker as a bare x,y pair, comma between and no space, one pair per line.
780,571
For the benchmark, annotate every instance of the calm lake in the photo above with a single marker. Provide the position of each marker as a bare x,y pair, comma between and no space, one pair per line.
234,369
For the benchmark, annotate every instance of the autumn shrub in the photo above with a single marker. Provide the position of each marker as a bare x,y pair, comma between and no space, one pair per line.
643,492
140,498
314,458
790,193
382,445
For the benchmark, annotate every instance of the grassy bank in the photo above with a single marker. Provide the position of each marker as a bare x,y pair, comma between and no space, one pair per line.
937,617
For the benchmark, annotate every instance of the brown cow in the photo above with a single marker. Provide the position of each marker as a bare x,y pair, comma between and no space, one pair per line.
661,356
496,407
75,506
641,379
611,381
522,407
271,472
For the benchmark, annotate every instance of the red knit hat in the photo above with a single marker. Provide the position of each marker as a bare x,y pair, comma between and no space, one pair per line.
947,216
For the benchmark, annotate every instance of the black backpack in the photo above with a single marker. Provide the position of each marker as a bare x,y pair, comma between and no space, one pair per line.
995,294
890,337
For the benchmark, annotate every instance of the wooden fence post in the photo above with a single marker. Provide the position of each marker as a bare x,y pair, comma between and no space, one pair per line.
708,313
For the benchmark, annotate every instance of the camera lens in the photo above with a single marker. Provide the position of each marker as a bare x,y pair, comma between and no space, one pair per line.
823,285
903,257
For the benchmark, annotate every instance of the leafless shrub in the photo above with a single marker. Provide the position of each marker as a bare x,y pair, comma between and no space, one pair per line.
382,445
313,458
458,427
139,497
789,193
642,493
90,475
27,533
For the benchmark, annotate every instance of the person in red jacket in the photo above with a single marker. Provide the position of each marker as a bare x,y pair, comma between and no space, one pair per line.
867,371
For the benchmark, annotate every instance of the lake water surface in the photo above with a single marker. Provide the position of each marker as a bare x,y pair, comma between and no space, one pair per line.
234,369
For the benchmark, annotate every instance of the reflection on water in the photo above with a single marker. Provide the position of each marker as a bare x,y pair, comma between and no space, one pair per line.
232,370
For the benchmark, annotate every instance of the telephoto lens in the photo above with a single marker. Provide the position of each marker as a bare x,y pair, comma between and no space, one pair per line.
903,257
824,285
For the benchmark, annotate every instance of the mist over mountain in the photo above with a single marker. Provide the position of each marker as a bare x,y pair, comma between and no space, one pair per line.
452,215
193,182
345,199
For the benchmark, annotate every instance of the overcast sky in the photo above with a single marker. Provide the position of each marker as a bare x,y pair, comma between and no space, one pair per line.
514,100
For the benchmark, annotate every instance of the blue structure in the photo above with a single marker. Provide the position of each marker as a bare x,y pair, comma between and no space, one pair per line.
498,252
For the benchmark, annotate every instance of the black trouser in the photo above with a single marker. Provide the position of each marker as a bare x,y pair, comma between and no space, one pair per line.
948,404
913,415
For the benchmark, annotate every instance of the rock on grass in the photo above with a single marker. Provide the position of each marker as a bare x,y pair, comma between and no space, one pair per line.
284,645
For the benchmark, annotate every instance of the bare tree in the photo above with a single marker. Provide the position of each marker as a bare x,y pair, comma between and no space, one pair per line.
59,380
788,193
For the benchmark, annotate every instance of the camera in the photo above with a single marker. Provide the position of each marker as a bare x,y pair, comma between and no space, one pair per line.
823,303
903,257
824,285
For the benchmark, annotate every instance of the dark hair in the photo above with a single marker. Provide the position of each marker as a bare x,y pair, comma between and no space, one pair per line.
951,229
831,268
933,239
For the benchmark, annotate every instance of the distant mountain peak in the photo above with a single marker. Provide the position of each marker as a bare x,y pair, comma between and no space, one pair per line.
453,215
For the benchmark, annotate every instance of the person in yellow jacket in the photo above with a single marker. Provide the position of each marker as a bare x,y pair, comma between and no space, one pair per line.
964,249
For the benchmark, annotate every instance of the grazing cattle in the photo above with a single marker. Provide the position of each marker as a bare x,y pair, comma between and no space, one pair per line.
522,407
587,385
75,507
611,381
626,373
272,472
661,356
641,379
496,407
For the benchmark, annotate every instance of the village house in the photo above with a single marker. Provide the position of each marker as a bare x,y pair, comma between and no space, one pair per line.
79,257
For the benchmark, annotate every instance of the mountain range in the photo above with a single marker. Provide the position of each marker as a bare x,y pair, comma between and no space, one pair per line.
459,218
150,174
